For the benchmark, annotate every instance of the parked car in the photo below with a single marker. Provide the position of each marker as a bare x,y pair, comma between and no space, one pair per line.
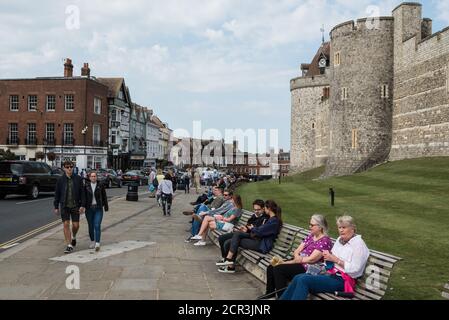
27,177
134,176
109,178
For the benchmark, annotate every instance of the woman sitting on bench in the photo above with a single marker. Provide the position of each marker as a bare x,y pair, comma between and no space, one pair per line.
260,238
344,265
306,258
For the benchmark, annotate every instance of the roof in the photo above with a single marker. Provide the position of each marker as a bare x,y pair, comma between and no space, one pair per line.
114,85
155,119
314,69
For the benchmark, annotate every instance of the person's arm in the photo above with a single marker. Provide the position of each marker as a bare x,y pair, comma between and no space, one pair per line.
57,195
271,228
82,196
105,199
313,258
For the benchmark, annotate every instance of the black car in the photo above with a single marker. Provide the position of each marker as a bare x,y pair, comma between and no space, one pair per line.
27,177
109,178
134,176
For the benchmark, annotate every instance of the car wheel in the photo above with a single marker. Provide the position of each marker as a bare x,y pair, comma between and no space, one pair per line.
34,193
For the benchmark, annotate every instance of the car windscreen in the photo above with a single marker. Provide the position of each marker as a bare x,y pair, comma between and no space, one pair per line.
11,168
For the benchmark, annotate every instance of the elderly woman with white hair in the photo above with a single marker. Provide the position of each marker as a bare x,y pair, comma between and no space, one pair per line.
305,258
344,265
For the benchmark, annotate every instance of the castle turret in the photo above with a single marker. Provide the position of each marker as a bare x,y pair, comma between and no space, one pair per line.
361,95
310,113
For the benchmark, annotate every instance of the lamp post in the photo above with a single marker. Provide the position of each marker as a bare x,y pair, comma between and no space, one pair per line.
83,132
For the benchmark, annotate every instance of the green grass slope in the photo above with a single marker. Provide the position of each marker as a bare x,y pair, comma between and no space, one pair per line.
401,208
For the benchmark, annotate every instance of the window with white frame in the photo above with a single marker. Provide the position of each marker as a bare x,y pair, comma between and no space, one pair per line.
96,134
31,133
13,133
51,103
384,94
50,133
97,105
69,102
114,115
113,137
14,103
68,133
32,103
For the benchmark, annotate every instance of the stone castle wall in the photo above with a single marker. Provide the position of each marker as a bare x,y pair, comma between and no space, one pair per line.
310,123
412,121
421,95
366,64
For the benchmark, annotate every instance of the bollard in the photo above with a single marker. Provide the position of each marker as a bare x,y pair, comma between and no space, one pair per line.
132,194
332,195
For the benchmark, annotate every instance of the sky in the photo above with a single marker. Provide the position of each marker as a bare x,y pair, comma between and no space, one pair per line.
225,63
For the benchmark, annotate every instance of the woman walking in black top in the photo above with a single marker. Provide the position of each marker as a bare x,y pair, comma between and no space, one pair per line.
96,200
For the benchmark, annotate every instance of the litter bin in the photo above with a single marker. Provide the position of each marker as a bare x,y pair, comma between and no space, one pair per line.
132,194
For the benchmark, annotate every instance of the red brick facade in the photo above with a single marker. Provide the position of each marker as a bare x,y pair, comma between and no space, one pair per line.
84,91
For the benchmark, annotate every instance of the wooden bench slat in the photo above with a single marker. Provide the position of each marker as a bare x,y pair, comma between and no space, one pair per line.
383,257
380,291
369,294
375,261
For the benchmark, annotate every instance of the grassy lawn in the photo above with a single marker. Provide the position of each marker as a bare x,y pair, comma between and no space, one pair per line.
401,208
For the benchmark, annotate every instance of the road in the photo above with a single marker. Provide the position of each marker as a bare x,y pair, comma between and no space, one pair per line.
21,218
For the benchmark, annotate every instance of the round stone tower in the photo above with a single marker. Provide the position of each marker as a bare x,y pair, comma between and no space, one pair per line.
361,95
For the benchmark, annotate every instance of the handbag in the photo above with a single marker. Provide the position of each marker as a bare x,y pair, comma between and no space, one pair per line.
228,227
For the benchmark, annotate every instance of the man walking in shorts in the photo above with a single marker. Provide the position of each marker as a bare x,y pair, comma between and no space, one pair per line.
69,196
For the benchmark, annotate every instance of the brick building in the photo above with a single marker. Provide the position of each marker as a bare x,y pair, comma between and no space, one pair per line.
64,115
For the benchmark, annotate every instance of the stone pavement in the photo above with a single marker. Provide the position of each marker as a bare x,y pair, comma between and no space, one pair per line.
162,268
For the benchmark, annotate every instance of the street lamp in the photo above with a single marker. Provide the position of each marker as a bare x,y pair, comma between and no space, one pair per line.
83,132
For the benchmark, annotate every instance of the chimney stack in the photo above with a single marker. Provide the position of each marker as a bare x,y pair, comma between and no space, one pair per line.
68,68
85,70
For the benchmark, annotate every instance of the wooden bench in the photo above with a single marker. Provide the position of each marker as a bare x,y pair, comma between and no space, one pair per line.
445,293
372,286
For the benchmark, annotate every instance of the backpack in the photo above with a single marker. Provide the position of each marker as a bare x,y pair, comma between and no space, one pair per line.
155,183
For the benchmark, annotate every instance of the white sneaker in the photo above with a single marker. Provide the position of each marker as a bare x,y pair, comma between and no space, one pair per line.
200,243
92,245
197,237
97,246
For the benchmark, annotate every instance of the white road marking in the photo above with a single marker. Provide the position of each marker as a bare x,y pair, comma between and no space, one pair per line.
10,245
90,255
31,201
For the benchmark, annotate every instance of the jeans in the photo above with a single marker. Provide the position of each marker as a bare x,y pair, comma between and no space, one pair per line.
303,284
279,276
94,217
166,203
243,240
225,243
196,225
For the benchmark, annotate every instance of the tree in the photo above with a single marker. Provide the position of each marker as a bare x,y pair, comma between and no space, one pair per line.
39,155
7,155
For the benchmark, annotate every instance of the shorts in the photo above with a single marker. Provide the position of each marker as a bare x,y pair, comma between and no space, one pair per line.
68,214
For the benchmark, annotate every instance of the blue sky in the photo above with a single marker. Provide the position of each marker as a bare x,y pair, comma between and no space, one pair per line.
227,63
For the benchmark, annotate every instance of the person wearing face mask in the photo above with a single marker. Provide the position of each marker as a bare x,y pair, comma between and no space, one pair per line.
96,201
344,264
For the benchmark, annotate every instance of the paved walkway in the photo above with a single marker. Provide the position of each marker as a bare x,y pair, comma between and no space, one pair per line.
160,267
